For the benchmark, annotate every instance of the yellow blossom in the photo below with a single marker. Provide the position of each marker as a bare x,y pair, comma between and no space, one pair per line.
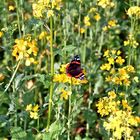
42,35
1,34
97,17
106,53
106,3
112,94
50,13
111,60
105,28
11,8
25,50
112,23
87,21
35,108
120,60
34,115
82,30
134,11
29,107
106,66
65,94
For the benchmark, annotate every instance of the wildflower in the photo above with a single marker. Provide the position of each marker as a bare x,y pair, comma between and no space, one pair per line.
42,35
65,94
82,30
105,3
1,34
97,17
33,111
134,11
63,78
50,13
63,68
11,8
93,9
111,60
29,107
105,28
46,6
106,66
87,21
25,50
111,23
131,42
106,53
120,119
34,115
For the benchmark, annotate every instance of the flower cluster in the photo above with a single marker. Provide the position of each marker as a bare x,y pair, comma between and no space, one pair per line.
134,11
111,24
87,21
106,3
25,49
46,6
120,118
131,42
64,78
33,110
65,94
117,75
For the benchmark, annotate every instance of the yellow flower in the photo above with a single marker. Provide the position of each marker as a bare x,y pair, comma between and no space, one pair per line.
11,8
111,60
29,107
65,94
25,50
106,53
119,52
112,23
105,28
82,30
131,42
134,11
105,3
42,35
34,115
97,17
112,94
106,66
1,34
35,108
50,13
130,68
93,9
63,68
120,60
87,21
38,9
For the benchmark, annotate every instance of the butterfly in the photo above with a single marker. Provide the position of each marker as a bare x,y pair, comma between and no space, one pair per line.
73,69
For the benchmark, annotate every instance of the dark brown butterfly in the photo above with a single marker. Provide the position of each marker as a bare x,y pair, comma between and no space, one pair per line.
74,69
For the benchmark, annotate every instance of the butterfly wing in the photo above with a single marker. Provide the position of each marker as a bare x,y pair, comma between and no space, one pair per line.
74,69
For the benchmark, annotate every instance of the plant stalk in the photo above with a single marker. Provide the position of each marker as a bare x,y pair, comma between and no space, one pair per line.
52,73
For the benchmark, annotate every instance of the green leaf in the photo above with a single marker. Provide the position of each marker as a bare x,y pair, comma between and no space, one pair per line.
17,133
69,48
4,98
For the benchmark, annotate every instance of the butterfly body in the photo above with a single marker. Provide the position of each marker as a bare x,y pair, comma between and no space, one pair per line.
74,69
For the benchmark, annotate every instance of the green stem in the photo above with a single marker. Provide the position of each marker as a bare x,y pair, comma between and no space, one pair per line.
12,78
69,112
18,18
52,72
